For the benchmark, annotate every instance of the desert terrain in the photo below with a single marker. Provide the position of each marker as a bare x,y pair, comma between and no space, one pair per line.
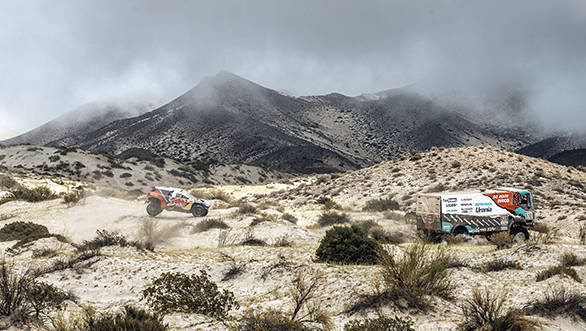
257,238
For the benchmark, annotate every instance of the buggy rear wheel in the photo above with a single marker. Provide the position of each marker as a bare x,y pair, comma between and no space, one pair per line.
199,211
154,207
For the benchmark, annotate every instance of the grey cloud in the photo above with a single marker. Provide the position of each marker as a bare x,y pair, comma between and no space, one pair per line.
57,55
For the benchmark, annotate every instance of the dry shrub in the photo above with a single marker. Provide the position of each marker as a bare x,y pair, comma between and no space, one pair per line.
558,270
570,259
36,194
73,197
330,204
541,227
250,240
151,233
246,209
268,320
485,311
380,323
452,239
210,223
283,241
263,218
289,217
332,218
416,274
131,318
500,264
105,238
7,182
381,205
559,302
381,235
502,240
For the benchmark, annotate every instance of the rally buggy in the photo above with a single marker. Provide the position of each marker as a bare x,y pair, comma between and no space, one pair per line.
175,199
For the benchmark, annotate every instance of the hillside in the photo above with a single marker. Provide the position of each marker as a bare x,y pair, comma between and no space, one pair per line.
228,119
132,174
85,118
553,149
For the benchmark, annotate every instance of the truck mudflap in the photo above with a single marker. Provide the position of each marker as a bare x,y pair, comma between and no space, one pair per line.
479,223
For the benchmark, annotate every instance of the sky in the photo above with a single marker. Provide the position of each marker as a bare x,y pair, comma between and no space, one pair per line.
56,55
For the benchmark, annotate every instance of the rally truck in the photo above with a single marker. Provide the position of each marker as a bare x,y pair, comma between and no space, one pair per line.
476,212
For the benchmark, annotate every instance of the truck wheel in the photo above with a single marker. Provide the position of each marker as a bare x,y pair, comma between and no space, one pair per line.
154,208
460,231
199,211
519,234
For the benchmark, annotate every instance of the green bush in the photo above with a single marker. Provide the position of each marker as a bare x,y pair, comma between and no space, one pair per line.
416,274
380,323
381,205
485,311
177,292
332,218
347,245
131,319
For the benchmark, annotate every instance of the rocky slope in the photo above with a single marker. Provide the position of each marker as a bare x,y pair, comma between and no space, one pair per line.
229,119
566,150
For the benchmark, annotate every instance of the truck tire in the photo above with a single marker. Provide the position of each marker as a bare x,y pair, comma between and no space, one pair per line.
199,211
460,231
519,233
154,207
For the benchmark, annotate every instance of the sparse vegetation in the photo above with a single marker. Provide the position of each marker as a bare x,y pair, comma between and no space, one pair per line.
26,232
416,274
347,245
131,318
246,209
178,292
500,264
210,223
73,197
7,181
331,218
502,240
558,270
36,194
289,217
105,238
381,205
570,259
268,320
380,323
486,311
557,302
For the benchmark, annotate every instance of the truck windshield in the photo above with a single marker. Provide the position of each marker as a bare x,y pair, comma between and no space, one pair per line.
524,201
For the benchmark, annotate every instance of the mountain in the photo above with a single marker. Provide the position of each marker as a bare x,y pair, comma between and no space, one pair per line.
82,119
566,150
228,119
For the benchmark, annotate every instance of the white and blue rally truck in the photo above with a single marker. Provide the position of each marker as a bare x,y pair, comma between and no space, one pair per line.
476,212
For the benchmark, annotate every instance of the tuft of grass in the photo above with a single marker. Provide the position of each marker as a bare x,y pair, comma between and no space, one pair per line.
331,204
73,197
36,194
332,218
268,320
416,274
247,208
500,264
132,318
558,302
381,205
558,270
570,259
486,311
210,223
104,238
283,241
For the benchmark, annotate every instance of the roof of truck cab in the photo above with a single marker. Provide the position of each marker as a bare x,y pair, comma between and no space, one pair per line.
500,189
